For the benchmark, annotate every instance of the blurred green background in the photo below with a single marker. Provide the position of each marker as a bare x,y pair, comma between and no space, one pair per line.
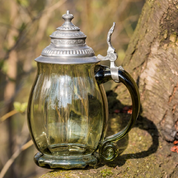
25,26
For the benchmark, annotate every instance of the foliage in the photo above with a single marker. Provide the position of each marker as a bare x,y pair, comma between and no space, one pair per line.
20,107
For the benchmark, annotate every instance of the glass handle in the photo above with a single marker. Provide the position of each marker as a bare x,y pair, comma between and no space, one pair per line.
107,148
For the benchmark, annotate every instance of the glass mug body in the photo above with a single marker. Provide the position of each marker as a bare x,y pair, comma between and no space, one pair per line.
66,110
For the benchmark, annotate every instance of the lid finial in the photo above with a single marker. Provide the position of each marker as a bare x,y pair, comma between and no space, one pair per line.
68,25
68,17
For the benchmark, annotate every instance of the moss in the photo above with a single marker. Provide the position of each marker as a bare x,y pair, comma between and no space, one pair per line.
159,4
53,174
165,34
106,173
169,25
177,42
173,37
150,2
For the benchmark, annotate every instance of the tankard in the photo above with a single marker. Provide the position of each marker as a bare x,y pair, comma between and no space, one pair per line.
68,109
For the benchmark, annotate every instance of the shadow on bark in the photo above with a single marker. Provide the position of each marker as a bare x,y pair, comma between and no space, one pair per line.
118,121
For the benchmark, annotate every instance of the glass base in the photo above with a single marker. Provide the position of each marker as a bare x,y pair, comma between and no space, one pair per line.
64,162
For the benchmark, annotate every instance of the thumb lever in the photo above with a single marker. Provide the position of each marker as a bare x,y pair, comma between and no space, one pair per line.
111,56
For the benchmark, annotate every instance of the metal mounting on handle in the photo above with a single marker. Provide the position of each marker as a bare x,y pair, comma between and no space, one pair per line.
111,56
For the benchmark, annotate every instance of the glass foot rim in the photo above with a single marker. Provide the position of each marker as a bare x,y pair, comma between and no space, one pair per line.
53,162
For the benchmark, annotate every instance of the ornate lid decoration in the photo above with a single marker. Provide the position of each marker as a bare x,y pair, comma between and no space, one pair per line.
67,45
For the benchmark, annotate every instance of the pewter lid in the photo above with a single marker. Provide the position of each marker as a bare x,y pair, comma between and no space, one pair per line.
67,46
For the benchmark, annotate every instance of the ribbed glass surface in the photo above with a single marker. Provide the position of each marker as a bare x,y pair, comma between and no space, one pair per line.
65,111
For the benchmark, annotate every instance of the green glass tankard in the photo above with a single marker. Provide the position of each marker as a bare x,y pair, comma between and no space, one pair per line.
67,110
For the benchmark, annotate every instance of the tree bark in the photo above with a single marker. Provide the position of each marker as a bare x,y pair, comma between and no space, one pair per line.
152,58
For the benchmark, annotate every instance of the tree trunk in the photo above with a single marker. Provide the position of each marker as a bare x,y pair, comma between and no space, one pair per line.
152,58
